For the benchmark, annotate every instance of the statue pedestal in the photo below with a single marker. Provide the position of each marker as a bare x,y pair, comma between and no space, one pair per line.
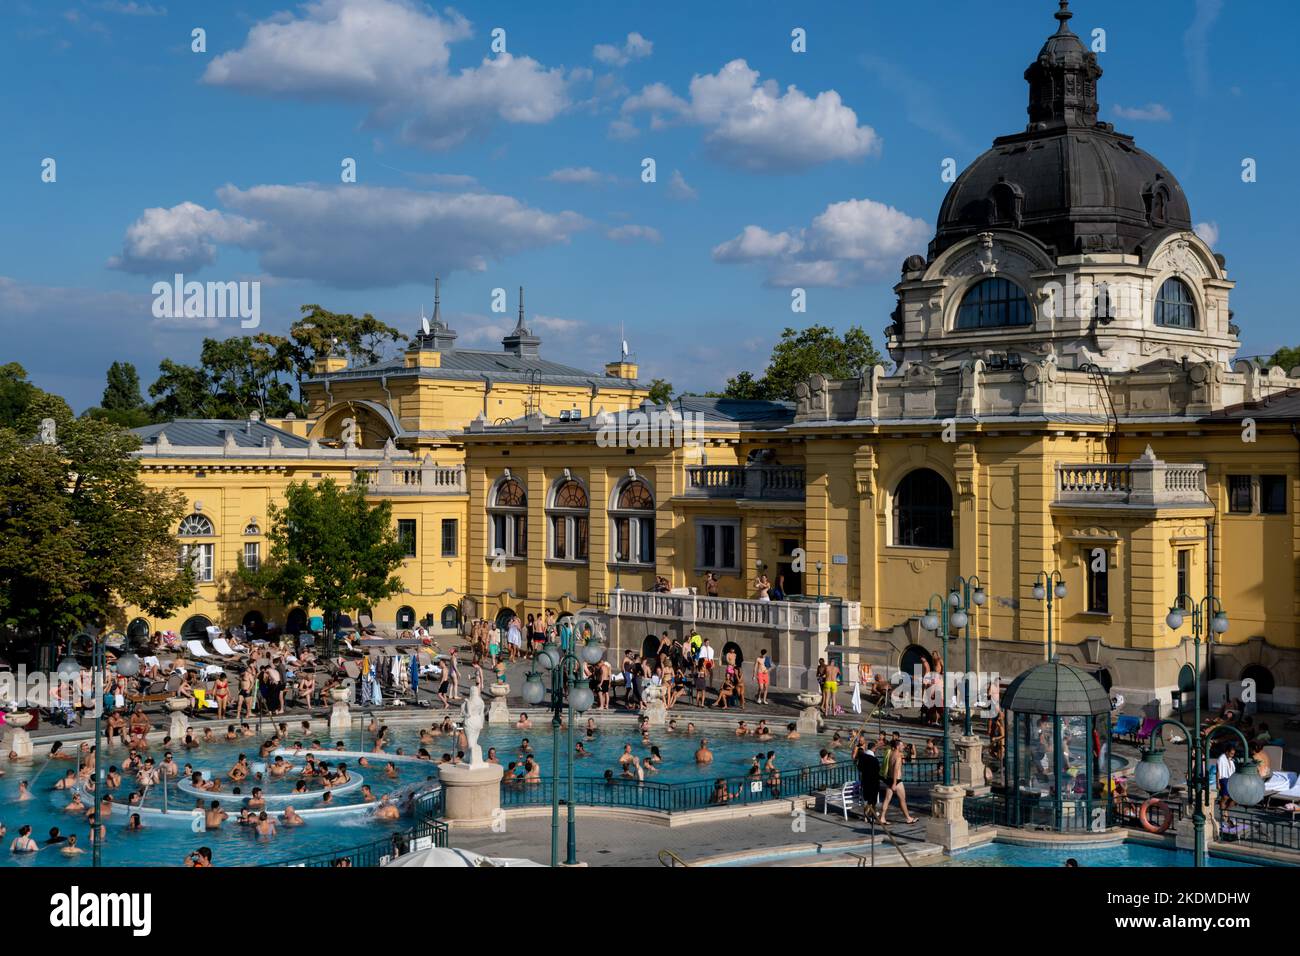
810,718
946,826
656,712
498,712
970,764
179,722
472,793
340,716
20,742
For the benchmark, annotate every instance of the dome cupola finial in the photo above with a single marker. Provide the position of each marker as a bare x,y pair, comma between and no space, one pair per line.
1063,79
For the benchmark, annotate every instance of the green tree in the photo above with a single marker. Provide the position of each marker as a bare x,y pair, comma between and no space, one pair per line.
1286,358
22,404
800,354
180,391
122,389
330,549
244,375
320,333
122,403
80,532
661,391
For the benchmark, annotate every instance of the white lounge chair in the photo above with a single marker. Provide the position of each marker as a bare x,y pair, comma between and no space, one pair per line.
197,650
222,646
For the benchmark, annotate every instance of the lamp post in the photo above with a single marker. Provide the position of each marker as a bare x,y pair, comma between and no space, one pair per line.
1049,585
1198,777
973,595
69,670
819,566
1245,787
939,619
565,667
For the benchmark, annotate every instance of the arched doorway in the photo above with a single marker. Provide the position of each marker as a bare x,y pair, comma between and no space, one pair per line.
254,624
195,628
296,622
503,617
731,647
137,632
1103,678
405,617
450,618
650,646
914,657
1261,675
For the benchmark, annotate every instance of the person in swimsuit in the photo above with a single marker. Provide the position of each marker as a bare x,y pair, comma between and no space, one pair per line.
894,785
23,843
221,691
247,684
830,688
762,676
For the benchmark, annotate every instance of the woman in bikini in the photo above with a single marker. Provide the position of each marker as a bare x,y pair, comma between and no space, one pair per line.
221,691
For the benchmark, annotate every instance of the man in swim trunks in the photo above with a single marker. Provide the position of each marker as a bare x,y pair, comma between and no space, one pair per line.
763,675
704,754
830,688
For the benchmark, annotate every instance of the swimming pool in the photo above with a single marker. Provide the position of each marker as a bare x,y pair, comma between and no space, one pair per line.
167,839
1123,854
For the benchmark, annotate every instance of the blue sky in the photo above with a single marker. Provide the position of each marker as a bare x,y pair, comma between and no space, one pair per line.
774,168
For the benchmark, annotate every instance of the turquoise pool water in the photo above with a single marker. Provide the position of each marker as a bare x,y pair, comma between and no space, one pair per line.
166,840
1125,854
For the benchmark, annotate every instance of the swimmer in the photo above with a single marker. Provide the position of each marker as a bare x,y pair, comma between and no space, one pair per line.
704,754
23,843
70,848
215,816
135,823
265,826
290,818
386,811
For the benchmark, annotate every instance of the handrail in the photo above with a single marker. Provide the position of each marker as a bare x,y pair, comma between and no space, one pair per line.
676,860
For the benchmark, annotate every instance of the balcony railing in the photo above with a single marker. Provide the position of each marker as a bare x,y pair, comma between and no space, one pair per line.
797,616
1146,482
425,479
770,482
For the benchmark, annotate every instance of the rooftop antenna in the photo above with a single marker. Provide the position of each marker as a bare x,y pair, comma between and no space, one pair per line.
437,301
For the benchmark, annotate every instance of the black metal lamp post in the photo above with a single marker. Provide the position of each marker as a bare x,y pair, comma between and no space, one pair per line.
939,620
973,596
1153,776
69,670
1049,585
564,661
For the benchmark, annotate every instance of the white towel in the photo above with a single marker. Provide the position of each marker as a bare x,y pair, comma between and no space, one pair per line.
857,698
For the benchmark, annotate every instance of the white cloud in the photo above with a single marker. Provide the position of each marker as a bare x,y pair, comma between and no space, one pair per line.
1152,112
623,130
847,243
347,236
393,56
633,233
577,174
131,8
678,188
182,238
1209,233
636,47
755,125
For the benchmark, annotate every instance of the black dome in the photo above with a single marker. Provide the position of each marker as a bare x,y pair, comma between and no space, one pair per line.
1068,180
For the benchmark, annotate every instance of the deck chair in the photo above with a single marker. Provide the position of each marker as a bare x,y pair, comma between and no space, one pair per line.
367,625
841,798
1275,755
197,650
1144,732
222,647
1126,728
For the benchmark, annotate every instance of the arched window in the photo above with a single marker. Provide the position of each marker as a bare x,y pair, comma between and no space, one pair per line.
1261,675
568,520
508,511
198,555
405,617
450,617
195,526
923,510
632,523
1175,306
252,528
993,303
1103,309
195,628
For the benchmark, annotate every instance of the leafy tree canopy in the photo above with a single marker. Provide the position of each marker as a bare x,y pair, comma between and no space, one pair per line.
800,354
330,548
80,532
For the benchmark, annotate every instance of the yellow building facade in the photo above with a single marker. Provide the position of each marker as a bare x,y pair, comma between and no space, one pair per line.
1065,399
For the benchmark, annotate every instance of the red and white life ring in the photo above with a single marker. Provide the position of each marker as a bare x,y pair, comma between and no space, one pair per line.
1144,816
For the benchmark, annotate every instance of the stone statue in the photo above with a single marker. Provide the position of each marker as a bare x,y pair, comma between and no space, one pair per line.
47,432
472,711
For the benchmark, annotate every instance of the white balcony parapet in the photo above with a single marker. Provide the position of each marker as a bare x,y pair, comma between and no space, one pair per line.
795,616
425,479
1145,482
771,482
